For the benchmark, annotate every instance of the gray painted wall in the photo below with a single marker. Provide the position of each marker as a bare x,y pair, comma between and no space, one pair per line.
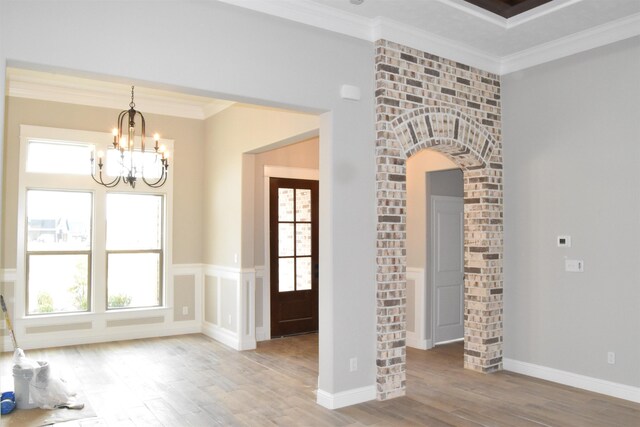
571,152
215,49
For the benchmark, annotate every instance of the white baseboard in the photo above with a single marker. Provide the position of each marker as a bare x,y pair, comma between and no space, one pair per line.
247,344
621,391
415,342
225,336
346,398
261,334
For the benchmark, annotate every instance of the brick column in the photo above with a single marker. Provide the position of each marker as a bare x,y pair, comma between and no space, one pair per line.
427,102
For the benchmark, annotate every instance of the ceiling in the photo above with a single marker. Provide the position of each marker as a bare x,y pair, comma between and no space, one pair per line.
467,33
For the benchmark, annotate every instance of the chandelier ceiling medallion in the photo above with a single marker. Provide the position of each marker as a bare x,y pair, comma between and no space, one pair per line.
132,161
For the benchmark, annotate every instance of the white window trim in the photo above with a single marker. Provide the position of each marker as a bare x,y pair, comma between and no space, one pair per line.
43,181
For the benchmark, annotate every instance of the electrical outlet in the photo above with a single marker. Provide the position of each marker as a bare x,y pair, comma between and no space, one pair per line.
353,364
229,320
185,310
611,358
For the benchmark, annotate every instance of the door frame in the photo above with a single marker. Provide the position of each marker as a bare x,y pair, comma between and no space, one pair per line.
275,172
431,265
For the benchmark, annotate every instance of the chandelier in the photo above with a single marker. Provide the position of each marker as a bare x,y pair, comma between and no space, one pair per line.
132,160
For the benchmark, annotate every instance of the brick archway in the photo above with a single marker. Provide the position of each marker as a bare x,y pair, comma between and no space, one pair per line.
472,147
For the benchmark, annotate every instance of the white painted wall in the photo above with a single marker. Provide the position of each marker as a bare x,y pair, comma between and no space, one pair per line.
214,49
571,152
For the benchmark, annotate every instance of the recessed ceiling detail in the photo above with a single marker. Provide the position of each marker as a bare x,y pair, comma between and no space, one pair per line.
507,8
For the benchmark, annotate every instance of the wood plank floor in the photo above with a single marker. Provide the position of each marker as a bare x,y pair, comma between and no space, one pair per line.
191,380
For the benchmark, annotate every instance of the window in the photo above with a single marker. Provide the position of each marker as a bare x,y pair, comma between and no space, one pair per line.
58,157
58,251
294,239
85,248
134,250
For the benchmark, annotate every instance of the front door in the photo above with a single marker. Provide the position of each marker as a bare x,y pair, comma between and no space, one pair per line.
448,267
293,229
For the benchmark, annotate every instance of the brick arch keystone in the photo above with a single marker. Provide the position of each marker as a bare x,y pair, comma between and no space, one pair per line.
470,145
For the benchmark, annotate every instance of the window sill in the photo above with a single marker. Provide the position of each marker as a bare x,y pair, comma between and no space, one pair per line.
125,313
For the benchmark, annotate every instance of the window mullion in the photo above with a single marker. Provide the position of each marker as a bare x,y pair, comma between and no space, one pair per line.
99,294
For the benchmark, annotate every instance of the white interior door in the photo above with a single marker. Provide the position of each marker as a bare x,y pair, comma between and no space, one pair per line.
447,267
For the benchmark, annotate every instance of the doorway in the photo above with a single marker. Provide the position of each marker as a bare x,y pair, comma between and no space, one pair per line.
435,250
293,231
445,271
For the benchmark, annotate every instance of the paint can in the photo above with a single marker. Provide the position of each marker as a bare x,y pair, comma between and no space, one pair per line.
25,379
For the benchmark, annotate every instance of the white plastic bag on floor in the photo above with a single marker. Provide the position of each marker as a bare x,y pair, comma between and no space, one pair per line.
34,385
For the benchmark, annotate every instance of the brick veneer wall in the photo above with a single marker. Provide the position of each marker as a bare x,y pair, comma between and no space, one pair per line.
425,101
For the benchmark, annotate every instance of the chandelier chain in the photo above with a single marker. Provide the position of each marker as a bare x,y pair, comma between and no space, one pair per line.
132,104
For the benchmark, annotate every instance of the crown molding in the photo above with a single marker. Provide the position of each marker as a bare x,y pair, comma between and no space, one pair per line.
96,93
319,16
311,13
432,43
575,43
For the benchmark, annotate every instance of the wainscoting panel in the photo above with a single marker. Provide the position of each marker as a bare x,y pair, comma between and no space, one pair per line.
418,336
45,331
229,304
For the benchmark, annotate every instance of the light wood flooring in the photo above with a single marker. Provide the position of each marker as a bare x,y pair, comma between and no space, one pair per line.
191,380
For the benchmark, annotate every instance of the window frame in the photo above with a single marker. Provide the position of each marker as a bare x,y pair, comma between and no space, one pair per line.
160,251
87,252
97,294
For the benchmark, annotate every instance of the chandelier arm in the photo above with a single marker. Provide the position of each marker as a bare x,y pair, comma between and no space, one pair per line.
121,117
142,134
105,184
160,182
